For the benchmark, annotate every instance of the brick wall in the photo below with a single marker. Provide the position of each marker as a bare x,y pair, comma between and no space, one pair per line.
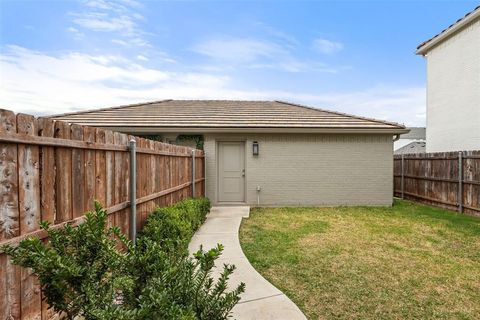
453,92
311,169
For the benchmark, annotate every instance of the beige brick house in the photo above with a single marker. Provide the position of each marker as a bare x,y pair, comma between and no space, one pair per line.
271,153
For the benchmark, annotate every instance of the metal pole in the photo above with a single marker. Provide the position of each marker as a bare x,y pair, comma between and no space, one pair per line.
403,178
193,173
133,191
460,181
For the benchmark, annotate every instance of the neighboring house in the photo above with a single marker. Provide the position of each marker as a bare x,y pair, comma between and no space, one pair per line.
271,153
453,86
412,147
416,134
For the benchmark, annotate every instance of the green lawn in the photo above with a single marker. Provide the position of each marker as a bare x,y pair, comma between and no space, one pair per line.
406,262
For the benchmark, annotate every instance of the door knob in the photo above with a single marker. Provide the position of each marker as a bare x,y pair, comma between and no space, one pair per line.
243,172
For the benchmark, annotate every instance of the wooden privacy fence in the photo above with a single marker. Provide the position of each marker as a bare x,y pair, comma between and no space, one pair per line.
450,179
51,170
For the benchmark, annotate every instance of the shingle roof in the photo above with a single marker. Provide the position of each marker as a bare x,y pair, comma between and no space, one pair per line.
220,114
418,133
444,33
412,147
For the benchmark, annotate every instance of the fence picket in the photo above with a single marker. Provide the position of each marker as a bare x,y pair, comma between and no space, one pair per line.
29,209
8,179
78,173
110,176
46,128
100,169
10,219
63,161
153,175
89,136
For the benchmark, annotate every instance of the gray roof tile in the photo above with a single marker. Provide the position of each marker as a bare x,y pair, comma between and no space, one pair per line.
222,114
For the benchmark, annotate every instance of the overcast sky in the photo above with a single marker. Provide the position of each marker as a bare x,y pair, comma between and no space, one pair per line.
355,57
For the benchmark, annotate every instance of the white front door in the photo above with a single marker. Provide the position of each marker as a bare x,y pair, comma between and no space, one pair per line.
231,172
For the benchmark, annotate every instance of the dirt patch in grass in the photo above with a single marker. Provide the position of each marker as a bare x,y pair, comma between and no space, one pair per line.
406,262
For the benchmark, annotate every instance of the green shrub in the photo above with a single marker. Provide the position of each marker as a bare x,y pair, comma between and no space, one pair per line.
174,226
169,228
195,210
182,288
77,268
83,272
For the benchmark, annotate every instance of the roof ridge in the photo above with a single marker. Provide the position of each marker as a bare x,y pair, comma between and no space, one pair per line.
108,108
342,114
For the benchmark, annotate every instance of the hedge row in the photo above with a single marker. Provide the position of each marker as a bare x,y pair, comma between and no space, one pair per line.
174,226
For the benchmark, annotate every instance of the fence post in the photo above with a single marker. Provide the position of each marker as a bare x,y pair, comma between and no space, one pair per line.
460,181
193,173
133,191
204,174
402,181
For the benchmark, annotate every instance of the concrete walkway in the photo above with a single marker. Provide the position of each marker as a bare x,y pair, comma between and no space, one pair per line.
261,299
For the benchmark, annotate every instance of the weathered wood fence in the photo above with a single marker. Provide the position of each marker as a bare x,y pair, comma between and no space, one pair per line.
51,170
450,179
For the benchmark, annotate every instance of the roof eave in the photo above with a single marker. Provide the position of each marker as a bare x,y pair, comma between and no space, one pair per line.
423,49
144,130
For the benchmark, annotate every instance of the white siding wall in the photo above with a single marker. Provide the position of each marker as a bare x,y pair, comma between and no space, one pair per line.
311,169
453,92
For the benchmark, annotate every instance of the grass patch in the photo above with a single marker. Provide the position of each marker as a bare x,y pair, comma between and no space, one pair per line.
409,261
